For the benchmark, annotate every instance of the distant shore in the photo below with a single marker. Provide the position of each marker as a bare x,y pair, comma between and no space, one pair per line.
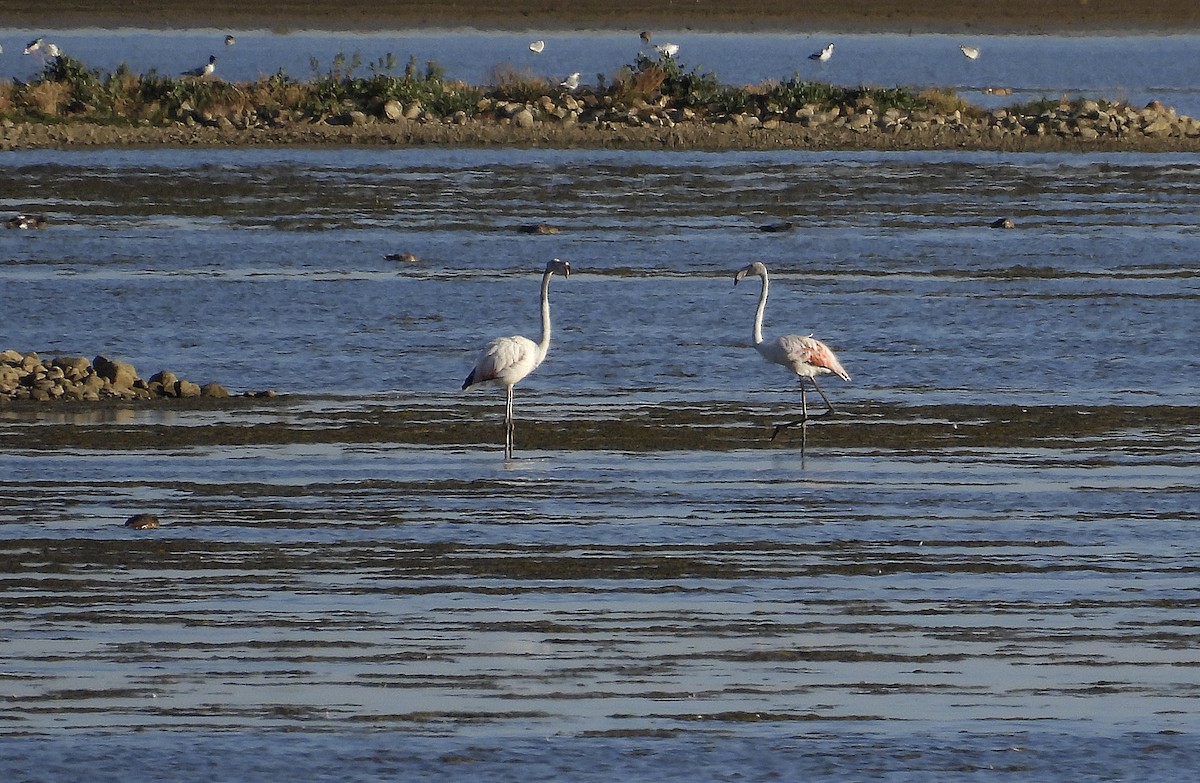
222,120
917,16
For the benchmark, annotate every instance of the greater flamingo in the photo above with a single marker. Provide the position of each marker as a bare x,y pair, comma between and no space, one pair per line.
808,357
507,360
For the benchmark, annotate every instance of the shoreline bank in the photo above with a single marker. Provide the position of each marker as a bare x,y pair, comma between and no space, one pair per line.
527,115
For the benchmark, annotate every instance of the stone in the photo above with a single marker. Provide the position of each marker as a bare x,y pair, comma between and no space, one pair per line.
119,374
1160,126
524,118
143,522
214,390
187,389
165,378
73,367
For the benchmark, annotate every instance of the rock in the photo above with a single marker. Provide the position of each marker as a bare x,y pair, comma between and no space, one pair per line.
523,118
214,390
358,118
143,522
74,367
10,378
187,389
777,228
120,374
164,378
537,228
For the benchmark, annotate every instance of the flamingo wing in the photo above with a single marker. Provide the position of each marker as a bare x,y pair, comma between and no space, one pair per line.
505,361
807,356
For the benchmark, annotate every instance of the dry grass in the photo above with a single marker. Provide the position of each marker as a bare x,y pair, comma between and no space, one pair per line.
47,97
518,85
640,84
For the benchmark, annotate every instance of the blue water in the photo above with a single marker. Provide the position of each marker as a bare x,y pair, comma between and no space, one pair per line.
1136,69
351,583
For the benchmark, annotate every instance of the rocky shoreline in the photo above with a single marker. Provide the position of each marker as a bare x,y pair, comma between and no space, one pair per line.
570,123
27,376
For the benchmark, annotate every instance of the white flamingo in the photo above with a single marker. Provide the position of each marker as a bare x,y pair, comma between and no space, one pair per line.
808,357
507,360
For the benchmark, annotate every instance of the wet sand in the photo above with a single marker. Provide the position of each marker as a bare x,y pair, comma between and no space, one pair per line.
1076,16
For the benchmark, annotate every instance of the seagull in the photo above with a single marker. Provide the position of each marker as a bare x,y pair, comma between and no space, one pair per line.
970,52
571,82
537,46
51,50
667,49
822,55
204,70
34,45
230,40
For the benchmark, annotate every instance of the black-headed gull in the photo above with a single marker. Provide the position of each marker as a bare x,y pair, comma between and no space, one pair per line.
823,55
204,70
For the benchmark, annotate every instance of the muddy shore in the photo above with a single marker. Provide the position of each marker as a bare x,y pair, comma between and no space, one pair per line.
693,136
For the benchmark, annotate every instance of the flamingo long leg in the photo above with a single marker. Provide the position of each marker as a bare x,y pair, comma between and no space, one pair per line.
804,417
509,426
828,404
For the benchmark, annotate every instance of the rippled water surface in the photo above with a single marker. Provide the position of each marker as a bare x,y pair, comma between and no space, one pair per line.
984,566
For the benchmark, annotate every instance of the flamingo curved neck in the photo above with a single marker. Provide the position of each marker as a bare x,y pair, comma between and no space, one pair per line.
544,345
762,308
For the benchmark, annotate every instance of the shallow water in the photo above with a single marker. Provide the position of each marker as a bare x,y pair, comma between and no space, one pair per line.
984,565
1135,68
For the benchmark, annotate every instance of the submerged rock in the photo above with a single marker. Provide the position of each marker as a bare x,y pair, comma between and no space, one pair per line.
143,522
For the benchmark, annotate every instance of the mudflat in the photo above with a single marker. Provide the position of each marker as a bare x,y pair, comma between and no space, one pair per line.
951,16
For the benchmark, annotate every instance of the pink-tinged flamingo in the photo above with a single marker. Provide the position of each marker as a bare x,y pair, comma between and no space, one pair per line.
808,357
507,360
